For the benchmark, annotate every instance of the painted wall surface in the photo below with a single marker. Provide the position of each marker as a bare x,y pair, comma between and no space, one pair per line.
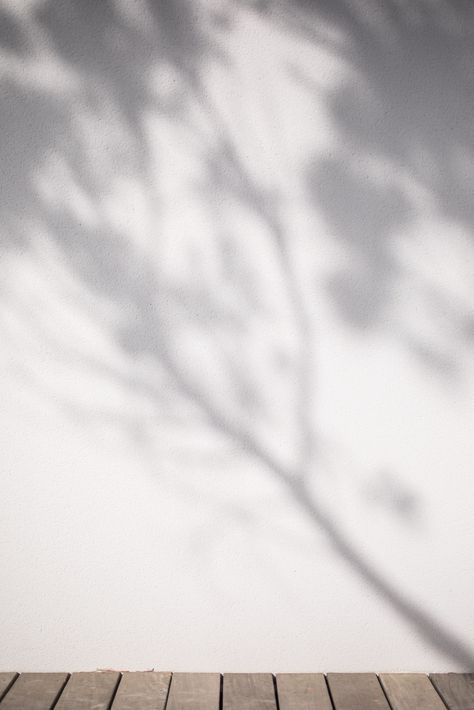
236,335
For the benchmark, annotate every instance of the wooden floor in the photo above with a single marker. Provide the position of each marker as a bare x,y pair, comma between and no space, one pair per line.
107,690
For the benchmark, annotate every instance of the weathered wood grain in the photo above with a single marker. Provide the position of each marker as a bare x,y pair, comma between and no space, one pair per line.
194,691
407,691
34,691
248,691
147,690
456,689
89,690
357,691
302,691
6,681
142,690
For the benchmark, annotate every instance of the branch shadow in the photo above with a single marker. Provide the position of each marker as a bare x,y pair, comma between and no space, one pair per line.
210,327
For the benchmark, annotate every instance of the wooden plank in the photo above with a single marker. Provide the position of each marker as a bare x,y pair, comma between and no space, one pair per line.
244,691
6,682
194,691
456,689
406,691
89,690
302,691
34,691
143,690
357,691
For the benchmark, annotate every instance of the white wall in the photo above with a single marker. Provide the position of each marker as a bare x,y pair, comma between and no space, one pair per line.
236,332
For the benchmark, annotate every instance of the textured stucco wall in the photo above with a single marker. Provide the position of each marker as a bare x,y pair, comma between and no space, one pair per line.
236,335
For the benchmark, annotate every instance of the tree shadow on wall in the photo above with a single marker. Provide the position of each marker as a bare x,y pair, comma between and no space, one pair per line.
90,90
